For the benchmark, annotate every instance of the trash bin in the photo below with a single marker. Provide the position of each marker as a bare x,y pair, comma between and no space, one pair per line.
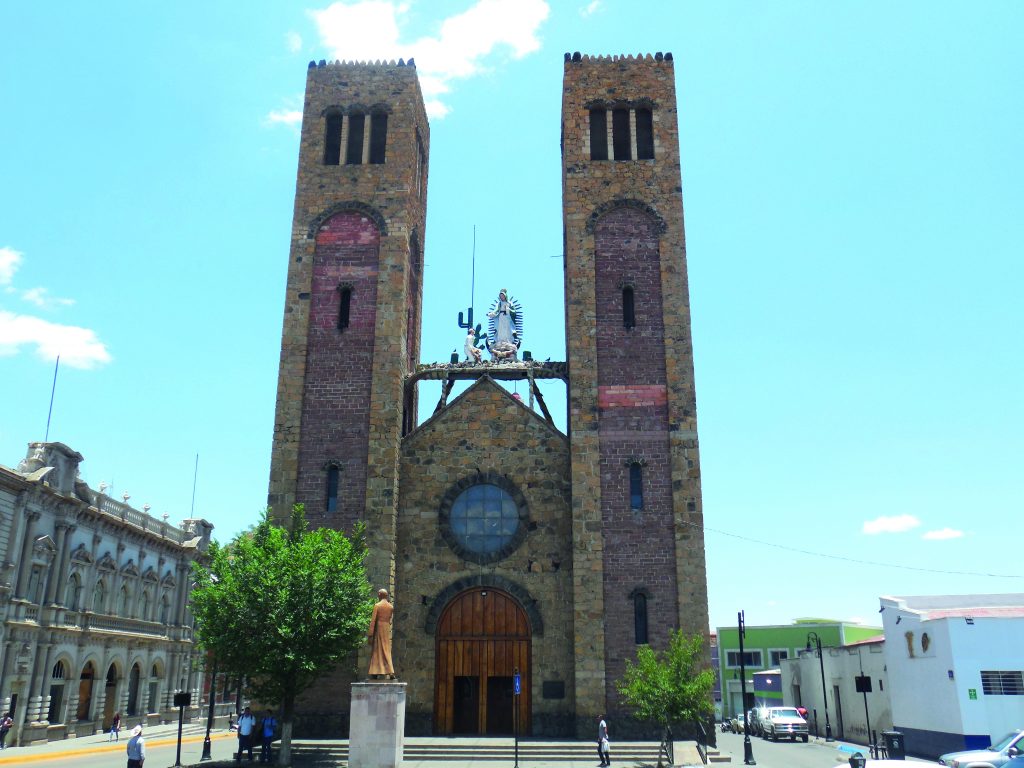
894,745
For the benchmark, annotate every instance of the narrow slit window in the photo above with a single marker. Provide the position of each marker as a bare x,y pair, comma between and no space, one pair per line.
598,134
628,312
332,488
620,135
640,618
332,139
354,150
636,487
344,308
378,137
644,135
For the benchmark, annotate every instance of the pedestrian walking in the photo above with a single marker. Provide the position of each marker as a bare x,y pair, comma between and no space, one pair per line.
136,748
115,728
246,726
267,727
602,742
6,723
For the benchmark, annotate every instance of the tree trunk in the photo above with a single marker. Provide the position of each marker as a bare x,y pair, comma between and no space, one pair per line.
284,755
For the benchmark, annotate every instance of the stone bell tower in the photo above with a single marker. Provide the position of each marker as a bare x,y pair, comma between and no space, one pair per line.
352,307
636,498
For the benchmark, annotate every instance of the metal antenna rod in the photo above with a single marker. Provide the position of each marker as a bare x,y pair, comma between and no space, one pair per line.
472,281
52,391
195,476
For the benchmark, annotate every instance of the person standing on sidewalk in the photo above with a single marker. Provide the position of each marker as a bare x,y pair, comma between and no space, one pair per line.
6,723
602,742
115,728
246,726
267,727
136,748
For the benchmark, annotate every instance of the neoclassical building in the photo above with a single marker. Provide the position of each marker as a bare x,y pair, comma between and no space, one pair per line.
93,599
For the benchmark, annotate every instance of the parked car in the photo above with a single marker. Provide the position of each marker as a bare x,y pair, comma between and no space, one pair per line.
999,754
783,721
755,718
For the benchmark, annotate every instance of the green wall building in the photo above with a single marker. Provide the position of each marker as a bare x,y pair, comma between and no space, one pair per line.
765,647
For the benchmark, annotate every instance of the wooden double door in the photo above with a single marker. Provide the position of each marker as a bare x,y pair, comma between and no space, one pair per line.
483,638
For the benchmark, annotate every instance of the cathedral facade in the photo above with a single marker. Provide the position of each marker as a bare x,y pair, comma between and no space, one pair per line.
511,548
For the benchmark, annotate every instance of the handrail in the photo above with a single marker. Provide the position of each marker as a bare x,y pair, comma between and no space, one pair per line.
667,749
702,742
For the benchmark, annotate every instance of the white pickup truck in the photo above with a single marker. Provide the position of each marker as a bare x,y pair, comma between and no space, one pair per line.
783,721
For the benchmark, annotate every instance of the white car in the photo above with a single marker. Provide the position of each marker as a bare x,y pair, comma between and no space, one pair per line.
1007,751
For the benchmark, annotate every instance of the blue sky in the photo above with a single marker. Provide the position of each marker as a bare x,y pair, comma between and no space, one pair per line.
852,184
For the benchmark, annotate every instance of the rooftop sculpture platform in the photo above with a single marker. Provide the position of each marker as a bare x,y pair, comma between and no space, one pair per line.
505,370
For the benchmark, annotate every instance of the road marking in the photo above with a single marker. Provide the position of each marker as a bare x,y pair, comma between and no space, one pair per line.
116,747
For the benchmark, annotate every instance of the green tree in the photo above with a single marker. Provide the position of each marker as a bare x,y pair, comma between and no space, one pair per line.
281,605
673,686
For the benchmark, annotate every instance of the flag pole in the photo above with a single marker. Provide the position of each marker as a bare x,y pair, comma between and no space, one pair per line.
53,390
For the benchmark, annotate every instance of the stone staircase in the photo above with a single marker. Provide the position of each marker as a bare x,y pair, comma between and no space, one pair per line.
323,753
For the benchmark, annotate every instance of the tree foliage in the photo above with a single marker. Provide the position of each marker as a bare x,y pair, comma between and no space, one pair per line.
673,686
280,605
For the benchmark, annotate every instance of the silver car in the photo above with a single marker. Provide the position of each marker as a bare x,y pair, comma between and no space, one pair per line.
999,754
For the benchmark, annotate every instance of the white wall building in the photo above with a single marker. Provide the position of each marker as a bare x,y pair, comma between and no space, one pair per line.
801,686
93,603
956,664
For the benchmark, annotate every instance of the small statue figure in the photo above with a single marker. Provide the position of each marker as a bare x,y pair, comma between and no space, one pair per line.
473,353
379,636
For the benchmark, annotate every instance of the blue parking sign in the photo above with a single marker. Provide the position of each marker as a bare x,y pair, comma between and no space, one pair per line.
516,684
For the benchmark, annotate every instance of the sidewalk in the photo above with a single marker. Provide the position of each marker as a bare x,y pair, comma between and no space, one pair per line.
157,735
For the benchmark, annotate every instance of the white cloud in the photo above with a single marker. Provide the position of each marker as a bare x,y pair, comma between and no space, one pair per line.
893,524
941,534
10,260
77,347
368,30
590,9
294,41
41,298
285,116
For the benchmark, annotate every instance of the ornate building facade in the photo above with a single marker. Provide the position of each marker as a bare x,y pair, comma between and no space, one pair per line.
93,598
512,548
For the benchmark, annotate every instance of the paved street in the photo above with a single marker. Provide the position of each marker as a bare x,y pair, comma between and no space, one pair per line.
785,754
97,752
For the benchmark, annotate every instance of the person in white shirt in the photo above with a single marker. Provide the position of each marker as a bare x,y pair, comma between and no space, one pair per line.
246,726
602,742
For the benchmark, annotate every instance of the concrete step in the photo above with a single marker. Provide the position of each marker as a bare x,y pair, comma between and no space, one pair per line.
312,752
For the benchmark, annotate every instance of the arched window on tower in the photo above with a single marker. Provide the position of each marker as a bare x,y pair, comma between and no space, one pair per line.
344,306
636,486
332,139
640,617
644,134
333,478
621,139
598,134
628,310
354,150
378,137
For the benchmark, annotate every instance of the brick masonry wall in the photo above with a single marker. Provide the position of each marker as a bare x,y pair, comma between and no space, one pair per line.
485,430
633,417
336,411
606,196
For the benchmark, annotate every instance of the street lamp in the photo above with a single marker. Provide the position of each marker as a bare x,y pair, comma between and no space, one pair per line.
748,751
209,717
815,641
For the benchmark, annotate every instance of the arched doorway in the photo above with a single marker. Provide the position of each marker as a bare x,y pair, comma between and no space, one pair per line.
133,690
85,692
110,696
483,636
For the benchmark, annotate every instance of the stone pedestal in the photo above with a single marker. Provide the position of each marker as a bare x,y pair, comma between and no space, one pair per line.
376,734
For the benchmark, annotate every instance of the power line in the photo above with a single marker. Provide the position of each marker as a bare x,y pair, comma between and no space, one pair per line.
854,559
